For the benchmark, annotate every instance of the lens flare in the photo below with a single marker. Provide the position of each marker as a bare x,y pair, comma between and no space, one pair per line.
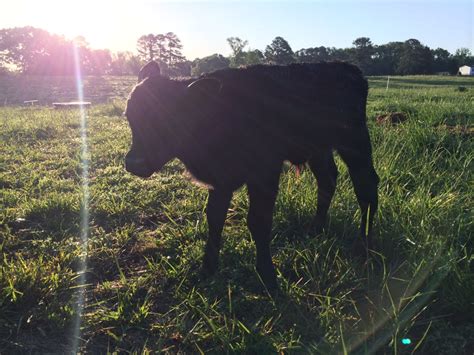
84,226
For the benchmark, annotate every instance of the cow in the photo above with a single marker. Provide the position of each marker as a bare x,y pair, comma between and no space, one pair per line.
236,127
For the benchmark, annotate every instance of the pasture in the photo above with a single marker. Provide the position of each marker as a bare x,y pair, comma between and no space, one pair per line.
143,293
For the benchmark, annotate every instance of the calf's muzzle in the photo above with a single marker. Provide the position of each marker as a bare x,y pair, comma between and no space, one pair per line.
137,166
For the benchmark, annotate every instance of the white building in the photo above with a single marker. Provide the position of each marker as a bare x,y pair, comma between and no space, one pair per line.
466,70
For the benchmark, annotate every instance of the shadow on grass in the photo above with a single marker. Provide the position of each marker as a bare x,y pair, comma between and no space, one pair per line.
56,217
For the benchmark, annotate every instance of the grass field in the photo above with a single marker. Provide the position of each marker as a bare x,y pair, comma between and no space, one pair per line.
146,238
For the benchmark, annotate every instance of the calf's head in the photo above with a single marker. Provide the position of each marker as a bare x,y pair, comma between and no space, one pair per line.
150,112
162,115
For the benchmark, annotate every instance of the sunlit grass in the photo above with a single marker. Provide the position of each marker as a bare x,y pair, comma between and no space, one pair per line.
147,236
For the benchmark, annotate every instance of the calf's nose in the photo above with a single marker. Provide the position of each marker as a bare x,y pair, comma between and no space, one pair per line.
131,164
137,165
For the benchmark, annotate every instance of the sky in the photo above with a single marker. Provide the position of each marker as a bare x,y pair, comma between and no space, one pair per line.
204,26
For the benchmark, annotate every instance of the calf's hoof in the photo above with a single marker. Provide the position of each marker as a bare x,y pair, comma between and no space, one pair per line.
359,250
268,277
317,226
362,246
209,268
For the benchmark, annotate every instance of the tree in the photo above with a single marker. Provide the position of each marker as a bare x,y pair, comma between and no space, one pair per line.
386,58
182,69
279,52
415,58
443,61
165,49
25,47
134,64
463,56
238,56
362,54
209,64
149,47
173,49
80,41
125,63
312,55
97,61
35,51
340,54
253,57
171,55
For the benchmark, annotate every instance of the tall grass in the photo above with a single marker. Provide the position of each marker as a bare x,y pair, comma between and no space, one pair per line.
144,293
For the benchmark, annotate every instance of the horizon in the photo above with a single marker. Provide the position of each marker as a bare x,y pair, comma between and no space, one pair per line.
204,26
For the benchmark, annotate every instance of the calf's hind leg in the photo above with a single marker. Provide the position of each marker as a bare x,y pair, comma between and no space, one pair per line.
358,157
324,169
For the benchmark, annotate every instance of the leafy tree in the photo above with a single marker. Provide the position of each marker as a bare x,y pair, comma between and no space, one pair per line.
182,69
149,47
253,57
238,57
209,64
97,61
135,64
172,56
36,51
80,41
443,61
312,55
279,52
386,58
172,49
415,58
125,63
341,54
165,49
463,56
362,53
26,47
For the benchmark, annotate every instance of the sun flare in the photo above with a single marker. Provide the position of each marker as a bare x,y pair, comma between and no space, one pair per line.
94,20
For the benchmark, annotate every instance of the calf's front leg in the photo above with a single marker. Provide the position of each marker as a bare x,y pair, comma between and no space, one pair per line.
216,212
262,200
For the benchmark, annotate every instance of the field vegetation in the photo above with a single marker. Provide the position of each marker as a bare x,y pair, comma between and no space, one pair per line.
143,293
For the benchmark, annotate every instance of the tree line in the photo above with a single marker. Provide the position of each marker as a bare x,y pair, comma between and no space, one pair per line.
34,51
394,58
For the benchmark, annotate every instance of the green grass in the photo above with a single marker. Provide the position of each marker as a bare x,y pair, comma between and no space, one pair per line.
146,239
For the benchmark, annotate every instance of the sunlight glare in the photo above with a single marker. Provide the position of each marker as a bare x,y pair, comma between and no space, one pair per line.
84,226
94,20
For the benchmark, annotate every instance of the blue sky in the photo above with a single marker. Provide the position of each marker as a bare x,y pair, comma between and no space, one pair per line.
203,26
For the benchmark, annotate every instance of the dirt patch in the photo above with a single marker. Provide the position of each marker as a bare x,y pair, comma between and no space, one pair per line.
464,130
392,118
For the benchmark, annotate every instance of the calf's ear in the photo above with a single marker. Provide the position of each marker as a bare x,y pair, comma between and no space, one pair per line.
149,70
206,86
